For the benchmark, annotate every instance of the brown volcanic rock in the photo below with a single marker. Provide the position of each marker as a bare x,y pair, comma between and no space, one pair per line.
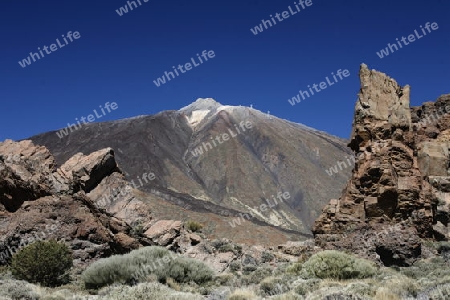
400,174
90,170
163,232
42,202
24,173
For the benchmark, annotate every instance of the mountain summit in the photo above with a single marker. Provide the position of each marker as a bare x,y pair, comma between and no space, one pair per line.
217,160
201,104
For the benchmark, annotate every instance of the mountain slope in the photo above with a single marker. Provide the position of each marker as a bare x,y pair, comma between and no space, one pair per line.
262,157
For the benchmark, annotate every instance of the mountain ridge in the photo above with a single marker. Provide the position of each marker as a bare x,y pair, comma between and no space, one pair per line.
281,153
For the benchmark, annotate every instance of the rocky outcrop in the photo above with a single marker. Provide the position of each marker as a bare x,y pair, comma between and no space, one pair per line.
40,201
400,176
89,171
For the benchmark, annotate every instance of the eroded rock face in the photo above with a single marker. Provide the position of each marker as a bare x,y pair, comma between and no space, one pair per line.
24,173
400,175
39,201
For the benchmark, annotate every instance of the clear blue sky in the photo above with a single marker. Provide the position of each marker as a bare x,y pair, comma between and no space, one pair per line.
118,57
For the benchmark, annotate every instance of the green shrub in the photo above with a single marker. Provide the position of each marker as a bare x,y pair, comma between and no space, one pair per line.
185,270
235,266
193,226
224,279
294,268
223,245
267,257
247,269
137,230
134,266
272,286
139,264
44,262
207,248
337,265
237,249
259,274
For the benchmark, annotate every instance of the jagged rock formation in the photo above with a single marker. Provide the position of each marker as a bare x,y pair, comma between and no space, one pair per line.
399,180
223,179
87,204
40,201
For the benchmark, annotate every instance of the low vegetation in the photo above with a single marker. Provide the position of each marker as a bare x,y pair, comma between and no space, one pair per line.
224,245
139,264
331,264
164,275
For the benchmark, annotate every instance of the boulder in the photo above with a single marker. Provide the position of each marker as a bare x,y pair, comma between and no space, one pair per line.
90,170
164,232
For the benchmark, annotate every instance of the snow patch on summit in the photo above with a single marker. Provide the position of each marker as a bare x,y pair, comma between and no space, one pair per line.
197,116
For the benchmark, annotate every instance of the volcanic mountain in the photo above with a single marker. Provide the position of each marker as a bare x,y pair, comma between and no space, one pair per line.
214,163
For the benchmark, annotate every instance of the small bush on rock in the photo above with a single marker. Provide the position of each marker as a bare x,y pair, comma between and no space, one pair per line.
44,262
193,226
